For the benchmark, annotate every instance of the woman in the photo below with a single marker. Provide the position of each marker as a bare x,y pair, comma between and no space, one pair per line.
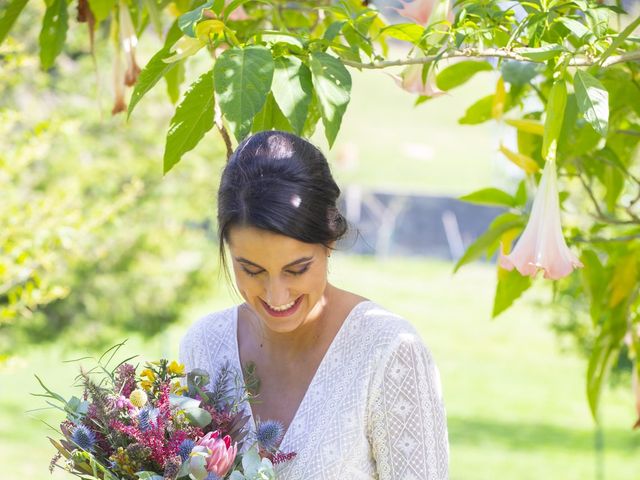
356,389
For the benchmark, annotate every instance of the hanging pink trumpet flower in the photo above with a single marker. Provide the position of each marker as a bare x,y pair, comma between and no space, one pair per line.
542,245
411,80
424,12
120,105
129,41
418,11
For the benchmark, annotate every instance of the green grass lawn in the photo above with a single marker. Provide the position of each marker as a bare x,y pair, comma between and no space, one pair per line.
516,406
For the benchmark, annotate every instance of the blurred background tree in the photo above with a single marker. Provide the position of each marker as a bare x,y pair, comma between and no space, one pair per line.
93,241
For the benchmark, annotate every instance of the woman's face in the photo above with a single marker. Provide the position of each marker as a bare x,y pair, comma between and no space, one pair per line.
281,278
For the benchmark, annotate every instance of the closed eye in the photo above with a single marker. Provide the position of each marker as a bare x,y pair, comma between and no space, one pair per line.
292,272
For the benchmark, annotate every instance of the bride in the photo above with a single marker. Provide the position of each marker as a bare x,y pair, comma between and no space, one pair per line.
356,389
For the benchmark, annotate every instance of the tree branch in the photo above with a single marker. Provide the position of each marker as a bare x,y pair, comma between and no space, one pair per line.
489,53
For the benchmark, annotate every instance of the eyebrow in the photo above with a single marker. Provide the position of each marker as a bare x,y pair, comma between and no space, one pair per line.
291,264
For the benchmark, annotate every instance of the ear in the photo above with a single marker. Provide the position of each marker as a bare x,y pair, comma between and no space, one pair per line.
332,245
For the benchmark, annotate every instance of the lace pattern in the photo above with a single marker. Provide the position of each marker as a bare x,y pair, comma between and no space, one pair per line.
373,410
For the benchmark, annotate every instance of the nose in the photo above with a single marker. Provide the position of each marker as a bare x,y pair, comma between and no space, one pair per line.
277,292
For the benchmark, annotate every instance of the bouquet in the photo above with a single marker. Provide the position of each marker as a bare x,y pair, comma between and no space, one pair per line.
154,425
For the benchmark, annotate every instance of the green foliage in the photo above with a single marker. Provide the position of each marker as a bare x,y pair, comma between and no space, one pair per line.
567,82
193,118
242,80
54,32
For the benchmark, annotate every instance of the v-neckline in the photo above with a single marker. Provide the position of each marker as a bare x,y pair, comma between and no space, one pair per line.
313,379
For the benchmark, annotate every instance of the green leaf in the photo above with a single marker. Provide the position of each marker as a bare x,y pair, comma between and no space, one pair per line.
154,15
605,351
540,54
519,73
460,73
198,417
490,196
593,277
148,475
619,40
243,78
193,118
174,79
332,83
152,72
556,104
333,30
11,13
53,33
292,90
408,32
187,21
101,9
521,194
580,30
500,224
479,112
593,101
270,117
511,285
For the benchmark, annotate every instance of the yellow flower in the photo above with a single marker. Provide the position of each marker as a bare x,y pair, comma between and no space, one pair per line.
138,398
176,368
146,385
177,388
149,374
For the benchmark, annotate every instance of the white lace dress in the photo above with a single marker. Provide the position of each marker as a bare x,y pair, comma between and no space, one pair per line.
373,410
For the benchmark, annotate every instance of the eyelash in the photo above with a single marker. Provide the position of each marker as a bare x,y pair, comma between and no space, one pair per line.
291,272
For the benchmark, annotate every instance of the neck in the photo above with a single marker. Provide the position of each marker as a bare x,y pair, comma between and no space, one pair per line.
290,345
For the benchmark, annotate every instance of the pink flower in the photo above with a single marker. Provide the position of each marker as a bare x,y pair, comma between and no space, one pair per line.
542,245
411,80
129,41
120,105
417,10
216,454
424,12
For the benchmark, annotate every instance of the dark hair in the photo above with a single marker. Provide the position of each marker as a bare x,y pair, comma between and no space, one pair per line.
279,182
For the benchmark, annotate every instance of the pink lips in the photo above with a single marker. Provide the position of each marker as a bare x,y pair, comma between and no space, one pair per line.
284,313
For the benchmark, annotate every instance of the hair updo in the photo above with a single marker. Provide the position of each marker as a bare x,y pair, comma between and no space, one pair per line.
279,182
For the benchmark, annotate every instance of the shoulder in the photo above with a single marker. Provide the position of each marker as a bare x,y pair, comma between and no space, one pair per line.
386,329
207,326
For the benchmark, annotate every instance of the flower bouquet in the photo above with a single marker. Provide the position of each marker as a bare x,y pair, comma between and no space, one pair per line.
155,426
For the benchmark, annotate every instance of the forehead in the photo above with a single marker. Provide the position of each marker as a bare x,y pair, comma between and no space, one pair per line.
258,245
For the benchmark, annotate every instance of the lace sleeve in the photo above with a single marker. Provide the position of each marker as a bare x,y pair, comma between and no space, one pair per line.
185,352
408,428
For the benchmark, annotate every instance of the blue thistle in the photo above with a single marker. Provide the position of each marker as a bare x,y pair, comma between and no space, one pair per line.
84,438
269,433
147,417
184,450
212,476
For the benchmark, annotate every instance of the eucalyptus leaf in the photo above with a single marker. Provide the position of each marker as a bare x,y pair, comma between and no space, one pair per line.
198,416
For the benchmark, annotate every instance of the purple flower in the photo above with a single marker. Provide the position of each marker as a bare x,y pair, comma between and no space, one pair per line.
84,438
269,433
